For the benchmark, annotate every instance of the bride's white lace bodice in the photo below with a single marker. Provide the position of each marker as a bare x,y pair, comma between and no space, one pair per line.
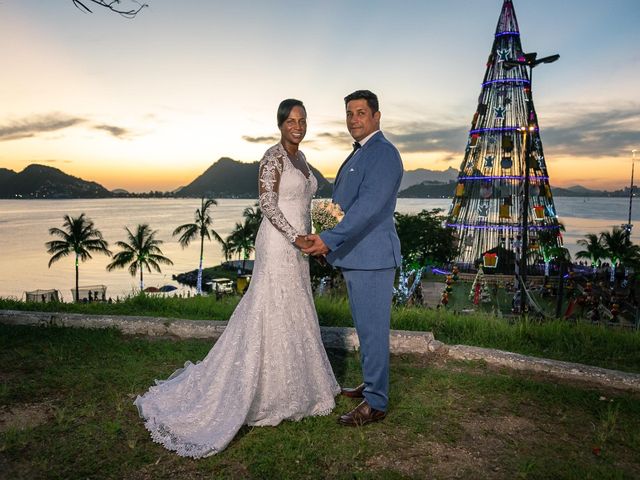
297,188
269,364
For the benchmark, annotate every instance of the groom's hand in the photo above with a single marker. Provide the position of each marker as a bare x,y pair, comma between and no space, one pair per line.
302,242
317,247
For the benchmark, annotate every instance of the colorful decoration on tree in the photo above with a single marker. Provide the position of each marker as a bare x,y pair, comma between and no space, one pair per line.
490,260
449,283
506,162
534,190
550,211
483,209
456,210
488,161
503,54
486,190
444,299
539,211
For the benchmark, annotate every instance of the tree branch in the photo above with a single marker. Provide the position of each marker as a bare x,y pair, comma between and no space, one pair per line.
113,5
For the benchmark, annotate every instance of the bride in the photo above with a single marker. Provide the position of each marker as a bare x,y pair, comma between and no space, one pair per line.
269,364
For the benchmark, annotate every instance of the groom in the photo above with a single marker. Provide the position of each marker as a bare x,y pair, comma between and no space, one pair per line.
365,246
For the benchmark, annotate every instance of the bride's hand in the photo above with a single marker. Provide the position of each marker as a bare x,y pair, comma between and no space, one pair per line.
302,242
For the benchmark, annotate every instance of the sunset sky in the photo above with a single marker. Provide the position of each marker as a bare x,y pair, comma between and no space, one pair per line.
150,103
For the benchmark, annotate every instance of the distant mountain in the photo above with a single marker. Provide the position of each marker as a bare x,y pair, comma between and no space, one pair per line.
6,175
40,181
429,190
445,190
414,177
231,178
580,191
580,188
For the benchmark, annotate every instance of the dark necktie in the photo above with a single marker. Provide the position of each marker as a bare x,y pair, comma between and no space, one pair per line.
356,146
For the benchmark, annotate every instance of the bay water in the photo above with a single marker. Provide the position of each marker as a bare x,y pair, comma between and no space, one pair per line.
24,226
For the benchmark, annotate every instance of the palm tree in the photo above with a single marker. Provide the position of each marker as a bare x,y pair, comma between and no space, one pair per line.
253,218
142,251
78,236
618,248
200,227
228,250
242,240
593,250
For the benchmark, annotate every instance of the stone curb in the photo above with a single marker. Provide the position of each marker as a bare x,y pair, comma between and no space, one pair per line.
553,368
333,337
151,326
401,342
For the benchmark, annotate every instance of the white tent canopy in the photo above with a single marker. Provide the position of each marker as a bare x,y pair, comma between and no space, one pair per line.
91,293
42,296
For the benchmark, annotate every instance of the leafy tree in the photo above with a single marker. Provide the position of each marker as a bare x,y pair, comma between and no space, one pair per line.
113,5
142,252
199,228
593,250
424,239
549,246
78,236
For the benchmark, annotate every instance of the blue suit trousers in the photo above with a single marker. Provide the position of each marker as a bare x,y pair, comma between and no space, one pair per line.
370,295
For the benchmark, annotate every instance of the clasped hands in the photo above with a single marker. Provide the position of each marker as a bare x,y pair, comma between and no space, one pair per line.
311,245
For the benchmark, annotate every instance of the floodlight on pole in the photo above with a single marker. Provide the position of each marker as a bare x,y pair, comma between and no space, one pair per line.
530,61
629,225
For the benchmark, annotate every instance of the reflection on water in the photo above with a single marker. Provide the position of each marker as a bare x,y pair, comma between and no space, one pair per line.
24,228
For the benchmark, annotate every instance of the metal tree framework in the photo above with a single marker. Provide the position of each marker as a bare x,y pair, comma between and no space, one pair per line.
487,208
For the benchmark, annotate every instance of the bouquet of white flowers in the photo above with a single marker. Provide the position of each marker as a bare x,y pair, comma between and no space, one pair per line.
325,215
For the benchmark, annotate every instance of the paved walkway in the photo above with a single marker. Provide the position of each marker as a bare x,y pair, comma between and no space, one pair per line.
402,342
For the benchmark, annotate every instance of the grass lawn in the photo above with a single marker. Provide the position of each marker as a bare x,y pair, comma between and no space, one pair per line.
558,339
66,412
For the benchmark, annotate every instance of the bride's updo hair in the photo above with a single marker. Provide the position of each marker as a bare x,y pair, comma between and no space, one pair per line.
285,107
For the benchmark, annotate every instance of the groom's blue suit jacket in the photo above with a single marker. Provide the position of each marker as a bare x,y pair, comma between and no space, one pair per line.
366,188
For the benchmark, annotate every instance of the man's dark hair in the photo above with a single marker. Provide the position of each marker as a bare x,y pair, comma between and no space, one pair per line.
369,96
285,107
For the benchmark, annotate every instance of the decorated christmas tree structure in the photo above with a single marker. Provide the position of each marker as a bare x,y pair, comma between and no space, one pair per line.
486,211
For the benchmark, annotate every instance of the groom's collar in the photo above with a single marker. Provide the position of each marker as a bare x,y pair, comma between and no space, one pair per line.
367,138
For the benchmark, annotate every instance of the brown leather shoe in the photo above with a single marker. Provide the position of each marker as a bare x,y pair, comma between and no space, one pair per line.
361,415
357,392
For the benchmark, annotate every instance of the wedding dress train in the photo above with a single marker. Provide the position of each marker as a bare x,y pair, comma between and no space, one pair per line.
269,364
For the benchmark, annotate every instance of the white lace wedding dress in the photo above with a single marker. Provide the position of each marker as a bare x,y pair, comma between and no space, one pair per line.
269,364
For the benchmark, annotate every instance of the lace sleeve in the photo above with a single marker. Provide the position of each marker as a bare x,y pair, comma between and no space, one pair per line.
268,186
